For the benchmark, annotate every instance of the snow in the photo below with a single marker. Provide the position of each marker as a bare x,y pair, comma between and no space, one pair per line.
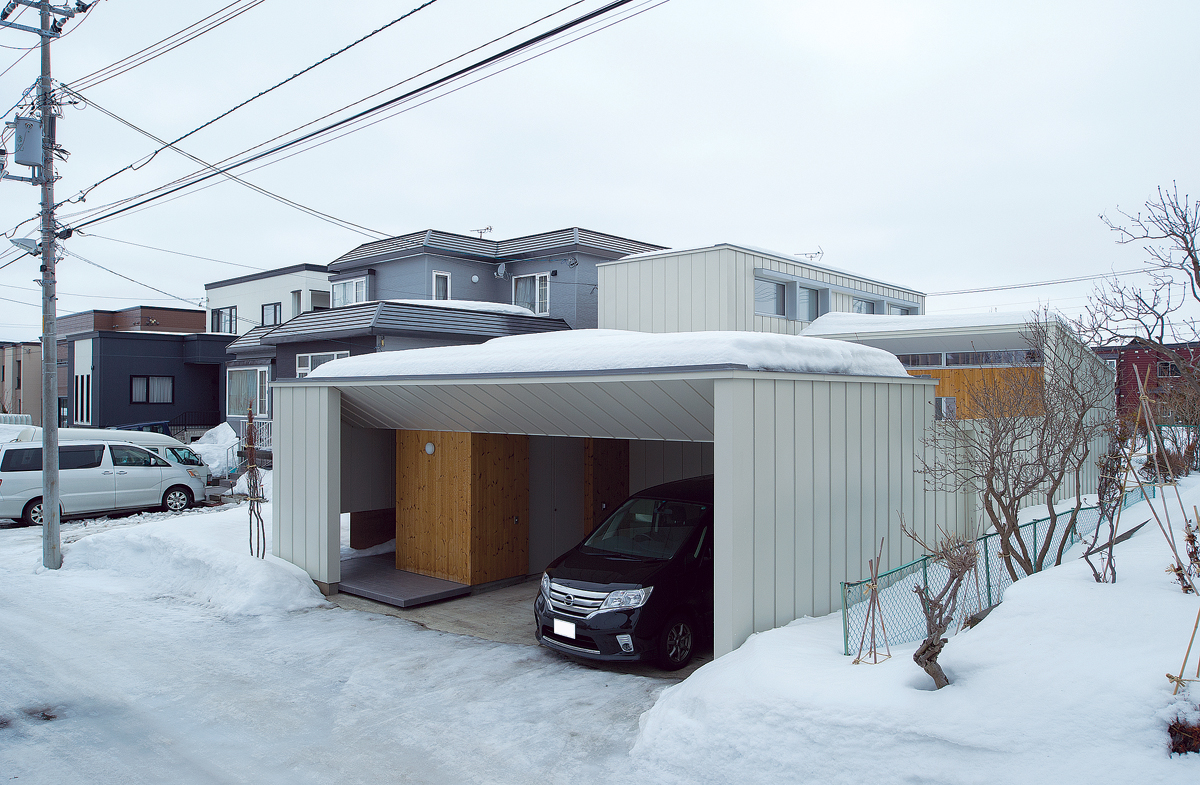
471,305
266,484
837,323
11,433
166,652
599,350
1063,682
213,448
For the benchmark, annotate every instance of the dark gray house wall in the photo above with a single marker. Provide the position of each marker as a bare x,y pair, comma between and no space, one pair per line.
195,362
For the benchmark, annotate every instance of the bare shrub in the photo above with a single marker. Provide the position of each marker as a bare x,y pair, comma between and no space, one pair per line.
959,555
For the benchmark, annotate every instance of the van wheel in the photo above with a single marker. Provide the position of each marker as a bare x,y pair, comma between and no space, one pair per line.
32,514
676,643
176,499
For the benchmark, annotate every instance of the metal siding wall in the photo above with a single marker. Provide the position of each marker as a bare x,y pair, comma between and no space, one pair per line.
785,502
763,511
306,520
656,462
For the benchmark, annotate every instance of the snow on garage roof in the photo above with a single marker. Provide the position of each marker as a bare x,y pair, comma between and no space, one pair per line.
837,323
609,350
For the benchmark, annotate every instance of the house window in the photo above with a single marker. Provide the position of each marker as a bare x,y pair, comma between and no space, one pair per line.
769,298
271,313
305,363
896,310
246,387
224,320
83,399
806,304
920,360
1112,365
862,306
349,292
441,286
319,300
945,409
152,389
1165,369
532,292
297,306
1006,357
18,375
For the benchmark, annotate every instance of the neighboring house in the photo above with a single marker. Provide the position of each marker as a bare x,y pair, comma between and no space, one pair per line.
427,288
1156,372
552,274
236,305
737,287
21,379
140,365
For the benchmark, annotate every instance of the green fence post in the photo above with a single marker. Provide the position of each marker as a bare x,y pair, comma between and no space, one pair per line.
845,623
987,570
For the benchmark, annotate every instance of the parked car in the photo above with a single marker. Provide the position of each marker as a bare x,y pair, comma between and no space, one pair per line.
640,587
166,447
94,477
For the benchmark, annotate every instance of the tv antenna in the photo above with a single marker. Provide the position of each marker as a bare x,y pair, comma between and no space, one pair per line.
483,231
811,256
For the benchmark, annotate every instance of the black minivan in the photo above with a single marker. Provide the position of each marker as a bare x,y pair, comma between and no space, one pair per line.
640,587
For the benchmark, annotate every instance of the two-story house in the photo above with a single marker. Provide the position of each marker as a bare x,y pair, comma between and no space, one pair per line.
236,305
21,379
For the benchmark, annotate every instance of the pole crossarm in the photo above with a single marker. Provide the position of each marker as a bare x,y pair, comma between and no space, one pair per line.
28,29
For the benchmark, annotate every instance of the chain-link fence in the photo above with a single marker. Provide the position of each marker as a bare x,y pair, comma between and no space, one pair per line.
900,609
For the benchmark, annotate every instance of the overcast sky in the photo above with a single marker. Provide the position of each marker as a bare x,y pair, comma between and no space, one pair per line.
939,145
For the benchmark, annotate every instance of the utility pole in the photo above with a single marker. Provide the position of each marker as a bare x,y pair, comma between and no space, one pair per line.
49,29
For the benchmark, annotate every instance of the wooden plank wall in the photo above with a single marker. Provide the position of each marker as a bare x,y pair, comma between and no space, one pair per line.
433,504
499,507
462,514
605,478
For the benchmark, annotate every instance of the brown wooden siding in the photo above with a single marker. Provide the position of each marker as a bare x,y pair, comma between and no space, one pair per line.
462,513
605,478
957,382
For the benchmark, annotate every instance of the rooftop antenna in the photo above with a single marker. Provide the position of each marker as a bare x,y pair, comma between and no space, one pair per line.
483,231
811,256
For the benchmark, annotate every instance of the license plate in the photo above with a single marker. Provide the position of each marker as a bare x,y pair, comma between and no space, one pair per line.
564,629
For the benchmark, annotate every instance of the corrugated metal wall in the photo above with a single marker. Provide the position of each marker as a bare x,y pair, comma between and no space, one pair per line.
812,474
306,498
653,463
711,290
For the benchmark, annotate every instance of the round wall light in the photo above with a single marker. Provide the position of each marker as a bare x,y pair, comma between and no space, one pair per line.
474,279
429,448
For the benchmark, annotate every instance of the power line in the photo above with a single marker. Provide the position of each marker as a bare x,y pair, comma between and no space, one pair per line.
127,278
1036,283
226,113
363,230
366,113
161,47
167,250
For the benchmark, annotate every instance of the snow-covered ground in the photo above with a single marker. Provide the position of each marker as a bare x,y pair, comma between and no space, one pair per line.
165,653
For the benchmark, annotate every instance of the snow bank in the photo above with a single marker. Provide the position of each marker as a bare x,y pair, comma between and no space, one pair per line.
194,557
598,350
242,485
1063,682
213,448
858,323
471,305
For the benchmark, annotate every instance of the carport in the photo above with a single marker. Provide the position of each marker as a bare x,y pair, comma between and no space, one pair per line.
811,468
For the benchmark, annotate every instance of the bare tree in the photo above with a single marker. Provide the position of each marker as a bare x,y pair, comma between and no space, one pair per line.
959,555
1154,315
1028,430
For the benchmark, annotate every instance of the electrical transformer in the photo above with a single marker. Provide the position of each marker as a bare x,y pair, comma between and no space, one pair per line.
27,141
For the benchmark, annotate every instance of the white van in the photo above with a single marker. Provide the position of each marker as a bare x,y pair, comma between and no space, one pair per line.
168,448
95,476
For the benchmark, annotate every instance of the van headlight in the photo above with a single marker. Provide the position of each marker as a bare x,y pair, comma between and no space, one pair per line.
546,585
626,598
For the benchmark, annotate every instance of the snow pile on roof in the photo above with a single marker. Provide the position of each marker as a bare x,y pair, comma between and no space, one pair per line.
471,305
600,350
1062,682
210,564
213,448
837,323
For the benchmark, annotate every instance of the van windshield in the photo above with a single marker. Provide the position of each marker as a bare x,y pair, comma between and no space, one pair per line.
185,457
648,528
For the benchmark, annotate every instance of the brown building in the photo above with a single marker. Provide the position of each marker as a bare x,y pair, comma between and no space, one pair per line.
21,379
